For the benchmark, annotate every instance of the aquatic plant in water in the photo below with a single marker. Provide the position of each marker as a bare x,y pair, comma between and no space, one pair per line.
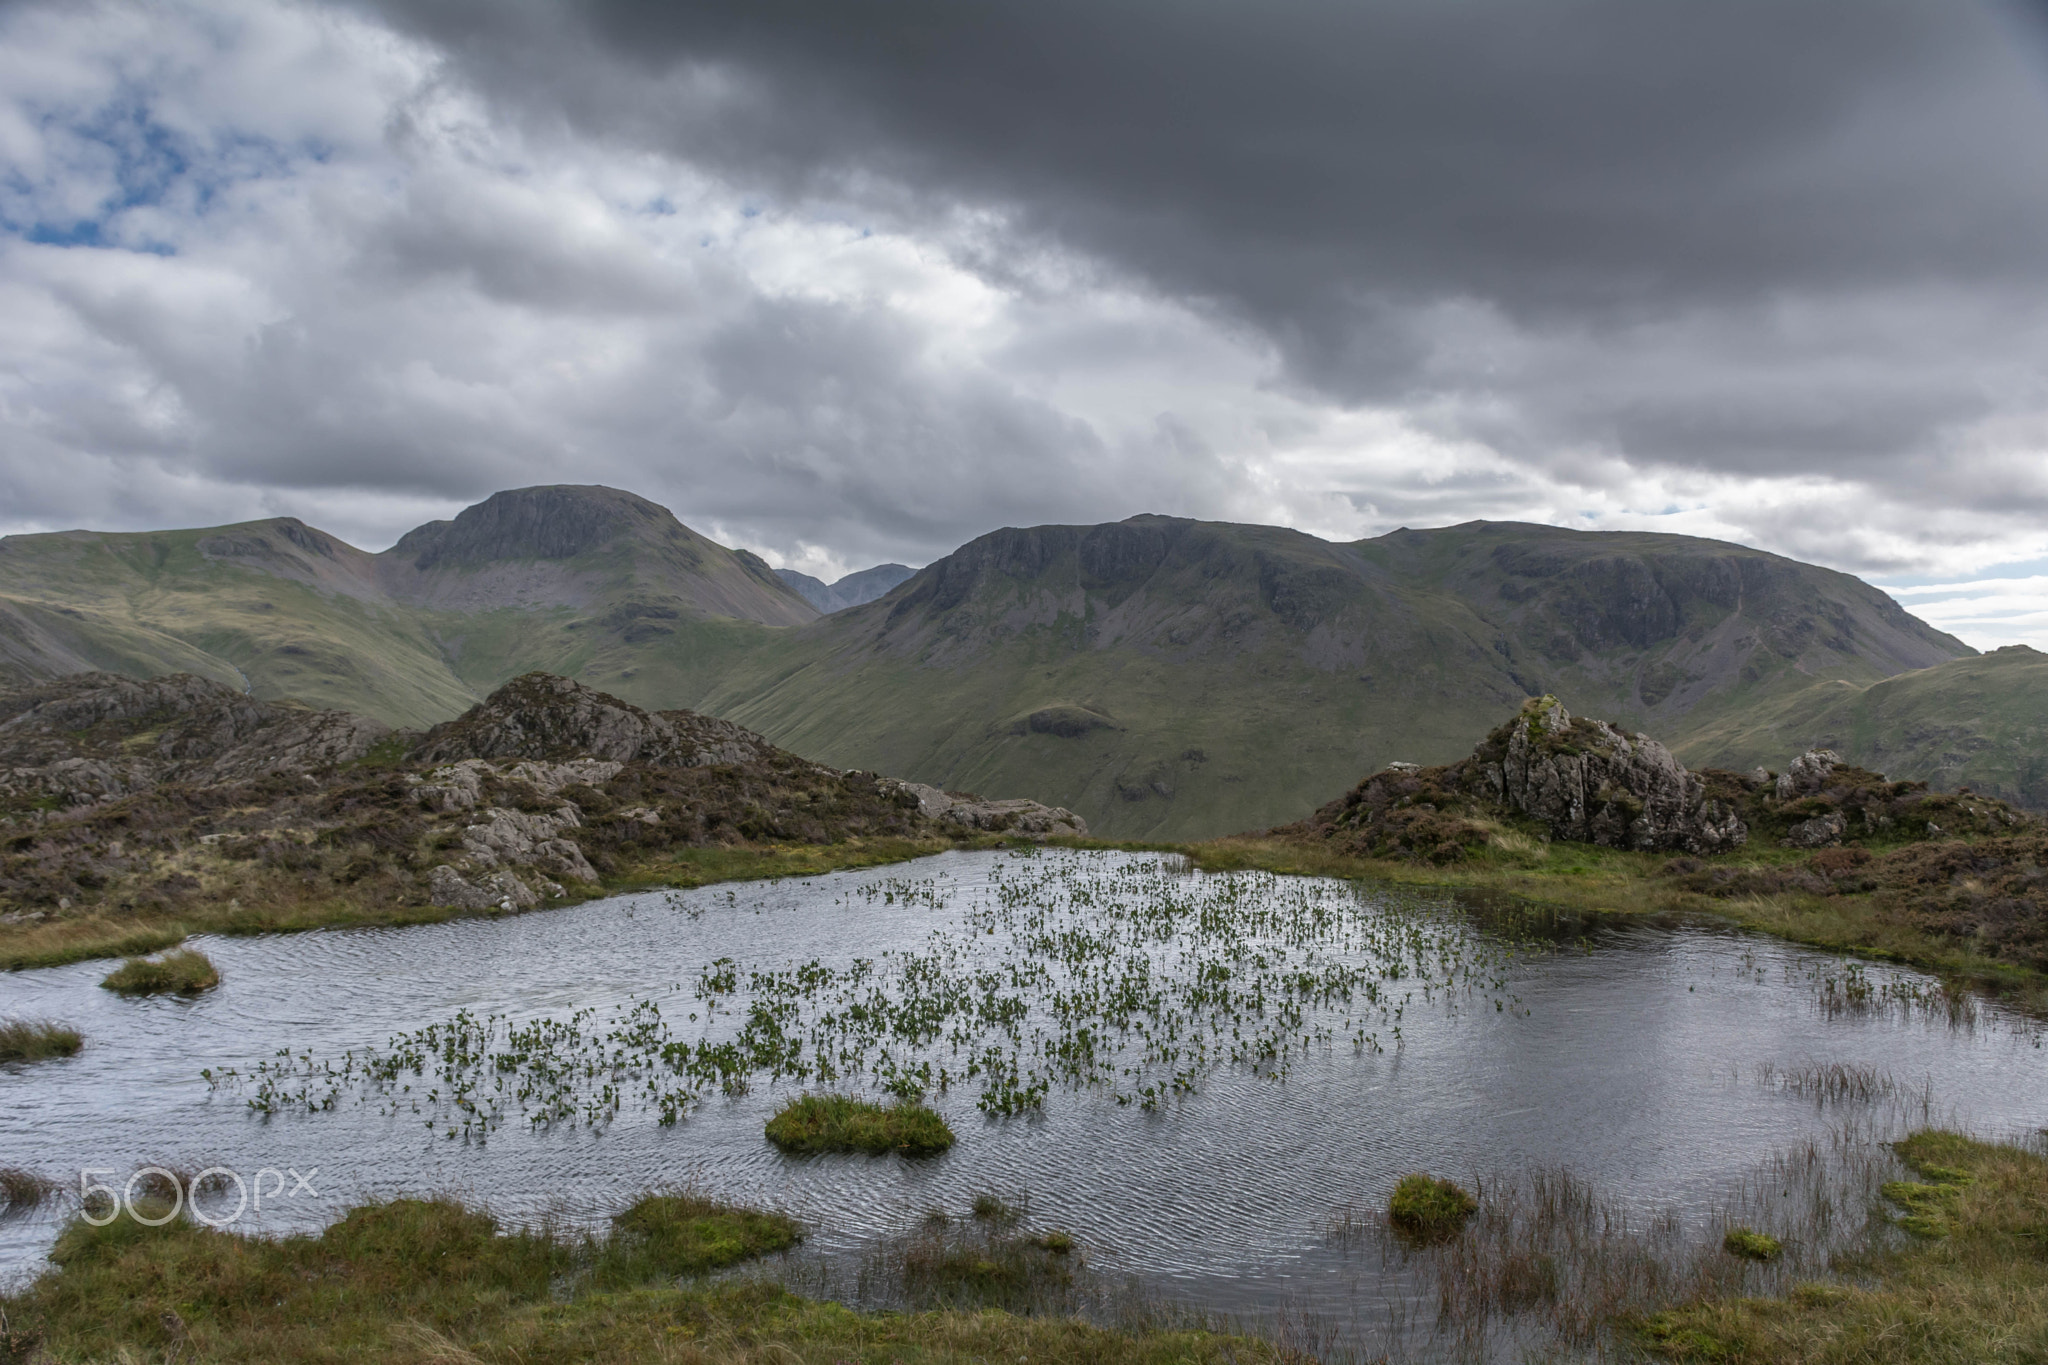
1099,970
1428,1208
845,1123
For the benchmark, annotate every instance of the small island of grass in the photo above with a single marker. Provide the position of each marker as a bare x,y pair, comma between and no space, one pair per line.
35,1040
1428,1209
846,1123
1752,1245
185,972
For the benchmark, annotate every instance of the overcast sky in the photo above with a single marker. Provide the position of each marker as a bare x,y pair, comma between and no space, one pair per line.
846,283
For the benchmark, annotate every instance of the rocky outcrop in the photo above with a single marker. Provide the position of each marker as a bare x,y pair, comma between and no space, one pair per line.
1575,778
1808,774
1591,782
93,736
527,839
498,891
544,717
460,786
145,796
1029,818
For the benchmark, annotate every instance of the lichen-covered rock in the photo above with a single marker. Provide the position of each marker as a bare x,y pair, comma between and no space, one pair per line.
528,839
1588,781
1808,773
499,890
540,716
95,736
1029,818
1822,831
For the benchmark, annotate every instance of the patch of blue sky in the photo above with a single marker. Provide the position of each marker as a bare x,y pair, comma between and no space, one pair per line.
2020,568
108,163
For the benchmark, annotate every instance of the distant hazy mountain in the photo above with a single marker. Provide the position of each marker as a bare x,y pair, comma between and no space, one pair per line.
1168,677
590,581
854,590
1979,722
1162,677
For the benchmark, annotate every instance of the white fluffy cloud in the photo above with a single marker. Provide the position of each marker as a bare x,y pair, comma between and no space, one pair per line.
266,257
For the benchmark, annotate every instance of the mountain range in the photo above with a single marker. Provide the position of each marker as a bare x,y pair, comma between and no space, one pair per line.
1163,677
854,590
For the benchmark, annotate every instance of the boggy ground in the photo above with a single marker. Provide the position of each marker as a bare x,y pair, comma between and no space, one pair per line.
135,813
1969,1286
437,1283
1924,906
1825,853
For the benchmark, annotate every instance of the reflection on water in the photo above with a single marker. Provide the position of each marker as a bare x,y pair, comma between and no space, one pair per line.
1664,1064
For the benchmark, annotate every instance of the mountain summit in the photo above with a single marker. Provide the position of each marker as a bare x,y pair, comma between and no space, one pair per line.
1176,678
1161,676
573,545
588,580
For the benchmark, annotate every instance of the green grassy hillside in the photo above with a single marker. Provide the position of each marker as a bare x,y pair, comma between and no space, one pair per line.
1178,679
1165,678
591,583
1979,722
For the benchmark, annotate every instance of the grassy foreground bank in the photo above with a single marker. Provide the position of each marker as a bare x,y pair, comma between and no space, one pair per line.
433,1282
1969,1287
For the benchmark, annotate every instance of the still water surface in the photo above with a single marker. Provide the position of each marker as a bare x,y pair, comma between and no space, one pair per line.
1632,1054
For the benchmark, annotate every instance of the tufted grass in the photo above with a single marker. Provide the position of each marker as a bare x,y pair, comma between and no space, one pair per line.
35,1040
847,1123
185,972
434,1282
1969,1286
1428,1209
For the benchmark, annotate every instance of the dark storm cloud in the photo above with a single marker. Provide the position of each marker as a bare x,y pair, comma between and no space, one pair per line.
1327,171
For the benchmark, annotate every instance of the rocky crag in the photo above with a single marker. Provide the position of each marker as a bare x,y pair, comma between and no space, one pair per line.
1563,777
128,798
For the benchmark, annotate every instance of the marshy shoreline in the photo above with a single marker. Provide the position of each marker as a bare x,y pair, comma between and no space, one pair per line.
1943,1269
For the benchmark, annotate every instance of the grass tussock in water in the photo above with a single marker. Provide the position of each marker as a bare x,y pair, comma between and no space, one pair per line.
1754,1246
667,1236
1970,1284
1428,1209
185,972
35,1040
435,1281
847,1123
22,1190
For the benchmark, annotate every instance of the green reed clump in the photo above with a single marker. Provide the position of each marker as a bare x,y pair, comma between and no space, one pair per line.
22,1190
1429,1209
35,1040
847,1123
1752,1245
1971,1286
433,1280
993,1208
985,1267
668,1235
185,972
